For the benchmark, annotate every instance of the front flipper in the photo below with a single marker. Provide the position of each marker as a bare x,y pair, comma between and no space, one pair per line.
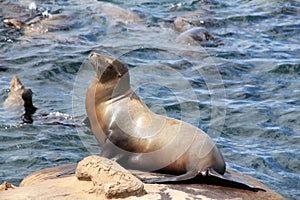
231,180
187,176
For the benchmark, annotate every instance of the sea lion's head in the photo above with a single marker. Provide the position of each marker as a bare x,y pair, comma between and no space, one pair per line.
14,98
111,74
16,85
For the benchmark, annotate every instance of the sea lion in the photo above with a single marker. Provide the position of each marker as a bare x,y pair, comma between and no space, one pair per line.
198,36
111,17
41,24
20,99
137,138
19,103
119,118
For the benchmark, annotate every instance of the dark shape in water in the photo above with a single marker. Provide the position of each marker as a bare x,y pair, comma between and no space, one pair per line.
29,107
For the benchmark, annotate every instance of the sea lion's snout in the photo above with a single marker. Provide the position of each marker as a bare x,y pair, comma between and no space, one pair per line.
16,84
107,67
99,63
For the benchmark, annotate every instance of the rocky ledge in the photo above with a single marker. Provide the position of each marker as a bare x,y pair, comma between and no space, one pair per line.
99,178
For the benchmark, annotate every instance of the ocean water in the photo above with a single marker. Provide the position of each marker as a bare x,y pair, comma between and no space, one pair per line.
245,92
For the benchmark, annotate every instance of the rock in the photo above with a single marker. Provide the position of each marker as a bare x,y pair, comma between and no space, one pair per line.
6,186
44,184
109,177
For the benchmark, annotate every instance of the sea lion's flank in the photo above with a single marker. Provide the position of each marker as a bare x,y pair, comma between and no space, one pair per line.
139,139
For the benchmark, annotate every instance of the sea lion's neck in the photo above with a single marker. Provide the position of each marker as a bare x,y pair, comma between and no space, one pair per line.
119,97
111,91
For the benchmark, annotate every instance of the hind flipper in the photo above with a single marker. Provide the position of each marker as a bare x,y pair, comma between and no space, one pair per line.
233,180
188,175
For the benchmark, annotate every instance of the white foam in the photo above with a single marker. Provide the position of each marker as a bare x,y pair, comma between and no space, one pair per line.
32,6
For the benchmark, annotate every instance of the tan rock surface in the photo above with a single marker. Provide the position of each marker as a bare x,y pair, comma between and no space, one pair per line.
109,177
45,185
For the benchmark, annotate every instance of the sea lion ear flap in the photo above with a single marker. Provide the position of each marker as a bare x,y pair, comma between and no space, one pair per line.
120,67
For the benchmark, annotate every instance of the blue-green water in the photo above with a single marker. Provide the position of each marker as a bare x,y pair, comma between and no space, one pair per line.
244,93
